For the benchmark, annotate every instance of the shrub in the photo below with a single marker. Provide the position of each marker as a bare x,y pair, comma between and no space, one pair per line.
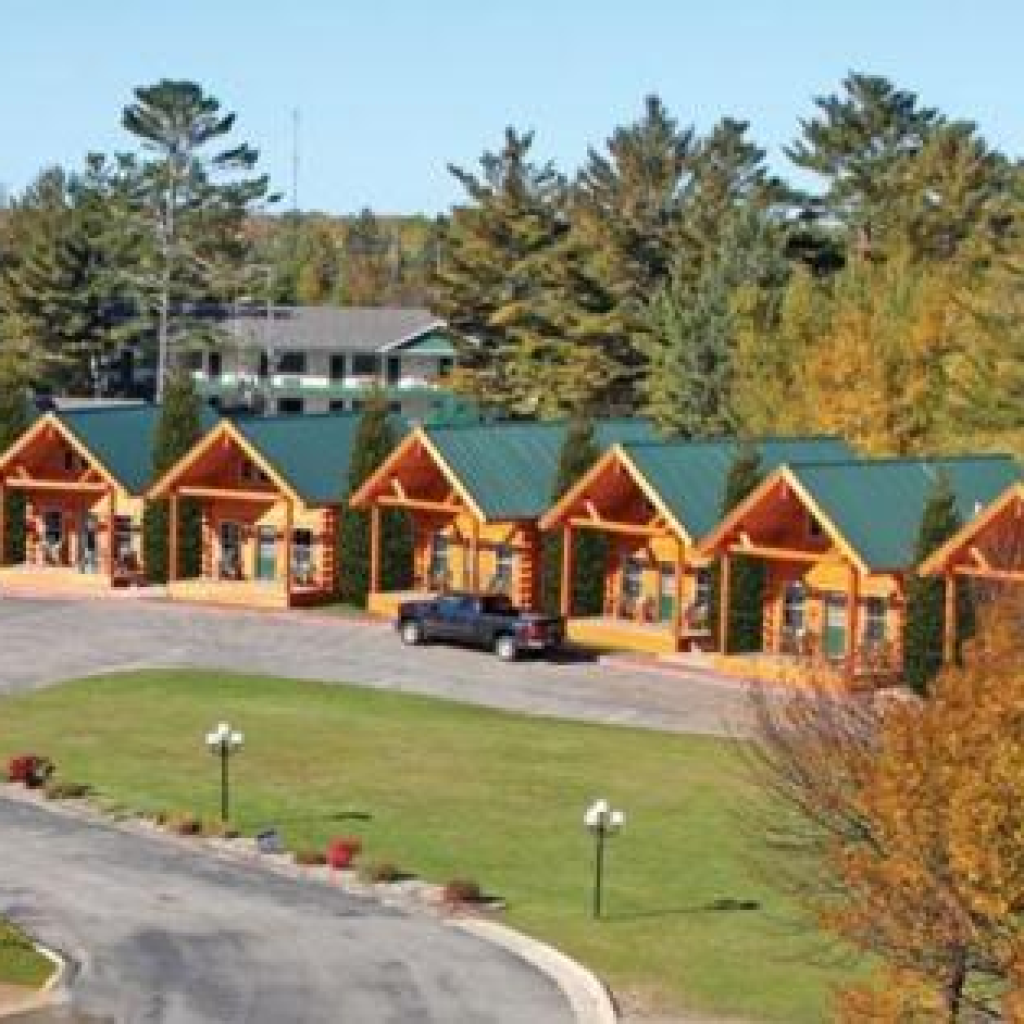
462,890
381,871
341,852
310,858
64,789
29,769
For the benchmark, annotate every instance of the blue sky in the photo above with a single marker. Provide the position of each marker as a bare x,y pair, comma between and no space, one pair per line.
390,91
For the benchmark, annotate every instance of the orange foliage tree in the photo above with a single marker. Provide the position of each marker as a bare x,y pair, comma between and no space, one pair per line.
903,822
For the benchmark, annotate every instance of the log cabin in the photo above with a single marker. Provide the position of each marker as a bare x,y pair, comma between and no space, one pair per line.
269,490
838,540
84,475
475,494
652,501
986,552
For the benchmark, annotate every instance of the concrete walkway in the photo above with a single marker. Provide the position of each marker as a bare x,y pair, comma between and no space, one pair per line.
43,642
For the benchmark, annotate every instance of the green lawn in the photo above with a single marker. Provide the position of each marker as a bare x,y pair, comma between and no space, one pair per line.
20,964
458,791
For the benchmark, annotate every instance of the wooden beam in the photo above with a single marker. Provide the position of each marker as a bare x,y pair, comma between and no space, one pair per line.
592,510
782,554
979,557
608,526
1000,575
474,556
565,598
172,546
111,535
852,624
3,521
418,503
69,486
289,529
949,623
396,486
677,617
723,603
226,494
374,548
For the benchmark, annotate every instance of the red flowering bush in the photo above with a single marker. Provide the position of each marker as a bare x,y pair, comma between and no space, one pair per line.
29,769
341,852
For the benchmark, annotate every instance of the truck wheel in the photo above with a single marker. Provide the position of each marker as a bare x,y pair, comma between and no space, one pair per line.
412,633
506,648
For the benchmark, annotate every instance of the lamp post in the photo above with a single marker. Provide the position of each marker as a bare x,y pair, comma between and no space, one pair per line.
223,742
602,822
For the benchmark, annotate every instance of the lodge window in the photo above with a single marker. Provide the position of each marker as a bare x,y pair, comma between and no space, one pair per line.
337,367
364,364
444,366
290,406
292,362
264,367
194,361
394,369
874,620
216,365
794,608
632,579
337,405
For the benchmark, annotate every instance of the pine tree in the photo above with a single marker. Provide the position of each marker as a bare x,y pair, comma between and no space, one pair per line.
925,604
590,548
178,429
746,575
492,282
14,420
373,442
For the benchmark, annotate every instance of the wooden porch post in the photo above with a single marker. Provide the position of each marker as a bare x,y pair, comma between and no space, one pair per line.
852,625
677,617
374,548
949,623
111,530
172,547
288,532
566,594
474,557
723,603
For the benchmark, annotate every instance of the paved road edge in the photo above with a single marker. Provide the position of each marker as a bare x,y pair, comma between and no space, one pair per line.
588,997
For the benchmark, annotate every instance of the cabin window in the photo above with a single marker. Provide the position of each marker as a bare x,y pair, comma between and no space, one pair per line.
794,608
230,551
439,559
292,362
302,555
123,538
632,579
504,566
874,620
813,526
251,473
702,591
53,531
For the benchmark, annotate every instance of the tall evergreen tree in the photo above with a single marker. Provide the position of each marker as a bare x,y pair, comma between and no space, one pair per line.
192,201
590,548
373,443
179,427
925,603
490,285
14,419
747,575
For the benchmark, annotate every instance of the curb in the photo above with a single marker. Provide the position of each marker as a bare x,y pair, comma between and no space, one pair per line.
589,999
48,993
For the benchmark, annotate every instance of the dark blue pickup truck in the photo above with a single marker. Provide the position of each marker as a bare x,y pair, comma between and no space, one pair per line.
479,620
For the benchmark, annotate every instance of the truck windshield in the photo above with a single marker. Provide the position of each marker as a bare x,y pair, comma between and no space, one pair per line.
498,604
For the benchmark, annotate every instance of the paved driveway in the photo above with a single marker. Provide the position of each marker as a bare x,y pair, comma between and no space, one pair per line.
47,641
164,934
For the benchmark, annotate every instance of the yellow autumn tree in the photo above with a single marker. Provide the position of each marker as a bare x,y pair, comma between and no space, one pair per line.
912,813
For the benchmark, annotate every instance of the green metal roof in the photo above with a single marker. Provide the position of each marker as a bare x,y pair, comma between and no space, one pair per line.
877,505
690,476
510,469
122,437
310,451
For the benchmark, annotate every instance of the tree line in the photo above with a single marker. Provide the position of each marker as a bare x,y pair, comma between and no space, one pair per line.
675,276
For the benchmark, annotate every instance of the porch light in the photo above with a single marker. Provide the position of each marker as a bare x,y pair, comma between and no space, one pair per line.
222,742
602,822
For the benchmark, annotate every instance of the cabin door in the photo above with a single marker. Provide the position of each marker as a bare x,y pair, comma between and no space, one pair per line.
835,626
666,592
266,553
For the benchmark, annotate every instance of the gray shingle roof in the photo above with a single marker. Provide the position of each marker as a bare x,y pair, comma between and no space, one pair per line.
348,328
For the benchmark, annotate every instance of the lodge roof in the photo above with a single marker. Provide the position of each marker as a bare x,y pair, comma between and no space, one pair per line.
877,504
690,476
510,468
